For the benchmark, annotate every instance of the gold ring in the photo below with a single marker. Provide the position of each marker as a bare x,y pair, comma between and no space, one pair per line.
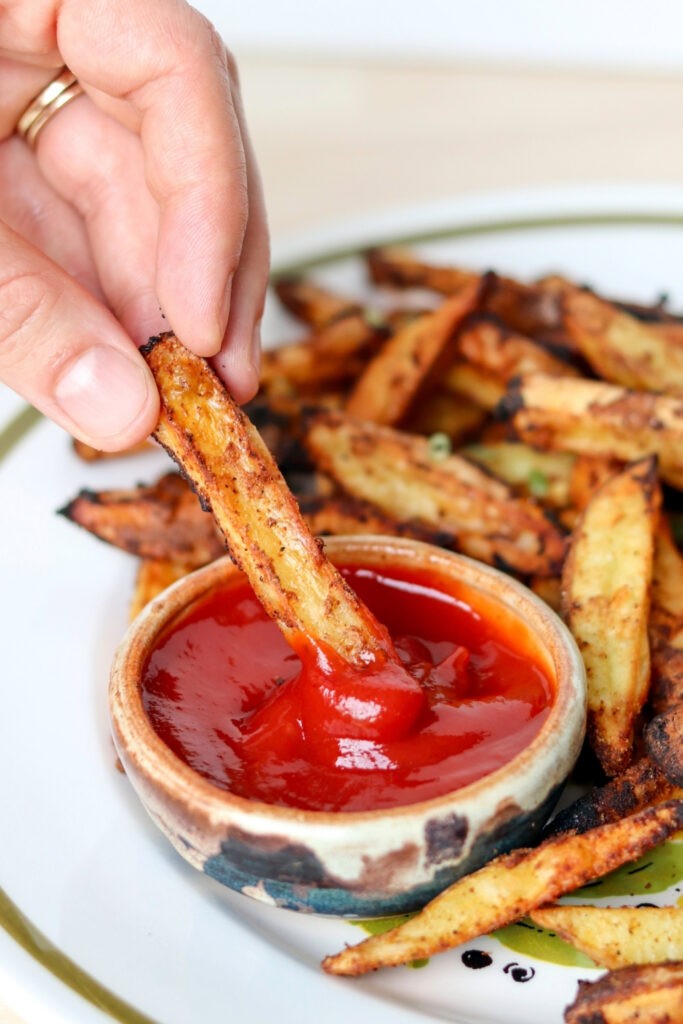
56,94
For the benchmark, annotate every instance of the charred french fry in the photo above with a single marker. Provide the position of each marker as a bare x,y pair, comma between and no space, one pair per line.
153,576
342,514
617,936
400,268
641,994
664,742
593,418
640,785
403,476
606,585
163,522
233,472
386,390
620,348
508,888
666,623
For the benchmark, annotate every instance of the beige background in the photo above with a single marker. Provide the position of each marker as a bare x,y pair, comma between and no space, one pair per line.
338,139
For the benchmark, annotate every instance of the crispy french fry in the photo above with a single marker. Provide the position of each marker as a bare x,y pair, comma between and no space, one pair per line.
666,623
640,785
594,418
641,994
620,348
162,522
153,576
606,584
232,470
508,888
617,936
386,390
342,514
400,268
398,473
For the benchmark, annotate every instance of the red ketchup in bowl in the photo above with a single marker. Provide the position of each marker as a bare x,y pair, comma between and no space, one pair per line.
230,697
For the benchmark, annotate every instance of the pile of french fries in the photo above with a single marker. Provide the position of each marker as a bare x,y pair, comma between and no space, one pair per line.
537,427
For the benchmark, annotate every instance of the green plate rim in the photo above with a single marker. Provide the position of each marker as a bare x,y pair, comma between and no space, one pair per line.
12,920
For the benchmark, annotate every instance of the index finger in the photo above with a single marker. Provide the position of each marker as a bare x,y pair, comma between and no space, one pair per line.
168,63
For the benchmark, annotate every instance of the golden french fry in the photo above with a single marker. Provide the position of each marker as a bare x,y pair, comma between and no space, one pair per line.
163,521
400,268
474,383
620,348
508,888
593,418
233,472
487,343
387,388
617,936
641,994
589,472
443,412
153,576
606,584
407,479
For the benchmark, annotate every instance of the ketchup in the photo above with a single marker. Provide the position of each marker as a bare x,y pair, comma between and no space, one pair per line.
232,699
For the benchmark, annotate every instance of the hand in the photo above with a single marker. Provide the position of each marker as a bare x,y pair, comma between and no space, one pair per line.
141,195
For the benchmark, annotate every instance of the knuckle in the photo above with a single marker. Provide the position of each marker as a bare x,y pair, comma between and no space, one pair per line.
27,305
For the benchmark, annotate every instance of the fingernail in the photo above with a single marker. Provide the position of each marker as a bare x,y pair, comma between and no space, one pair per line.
103,391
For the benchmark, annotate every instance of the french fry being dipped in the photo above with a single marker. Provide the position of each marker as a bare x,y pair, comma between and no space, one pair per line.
234,474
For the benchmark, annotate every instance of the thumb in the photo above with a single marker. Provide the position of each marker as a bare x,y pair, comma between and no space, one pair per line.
67,355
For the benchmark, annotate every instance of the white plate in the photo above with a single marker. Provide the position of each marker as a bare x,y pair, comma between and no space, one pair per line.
101,919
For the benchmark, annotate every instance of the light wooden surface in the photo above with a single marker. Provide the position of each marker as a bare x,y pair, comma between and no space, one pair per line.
339,139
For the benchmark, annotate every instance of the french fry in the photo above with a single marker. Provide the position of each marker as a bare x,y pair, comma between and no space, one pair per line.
593,418
664,742
338,351
161,522
387,388
606,584
398,267
620,348
342,514
312,303
233,472
641,994
617,936
640,785
398,473
443,412
588,474
508,888
153,576
490,345
666,623
478,385
545,476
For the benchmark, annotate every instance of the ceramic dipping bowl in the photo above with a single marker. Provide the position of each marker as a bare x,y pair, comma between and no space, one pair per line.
366,863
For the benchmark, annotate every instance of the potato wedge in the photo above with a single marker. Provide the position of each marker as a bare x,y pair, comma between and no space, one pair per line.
545,476
399,267
153,576
233,472
163,521
508,888
640,785
606,584
641,994
342,514
398,473
487,343
664,742
474,383
593,418
442,412
621,349
666,623
314,304
617,936
386,390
